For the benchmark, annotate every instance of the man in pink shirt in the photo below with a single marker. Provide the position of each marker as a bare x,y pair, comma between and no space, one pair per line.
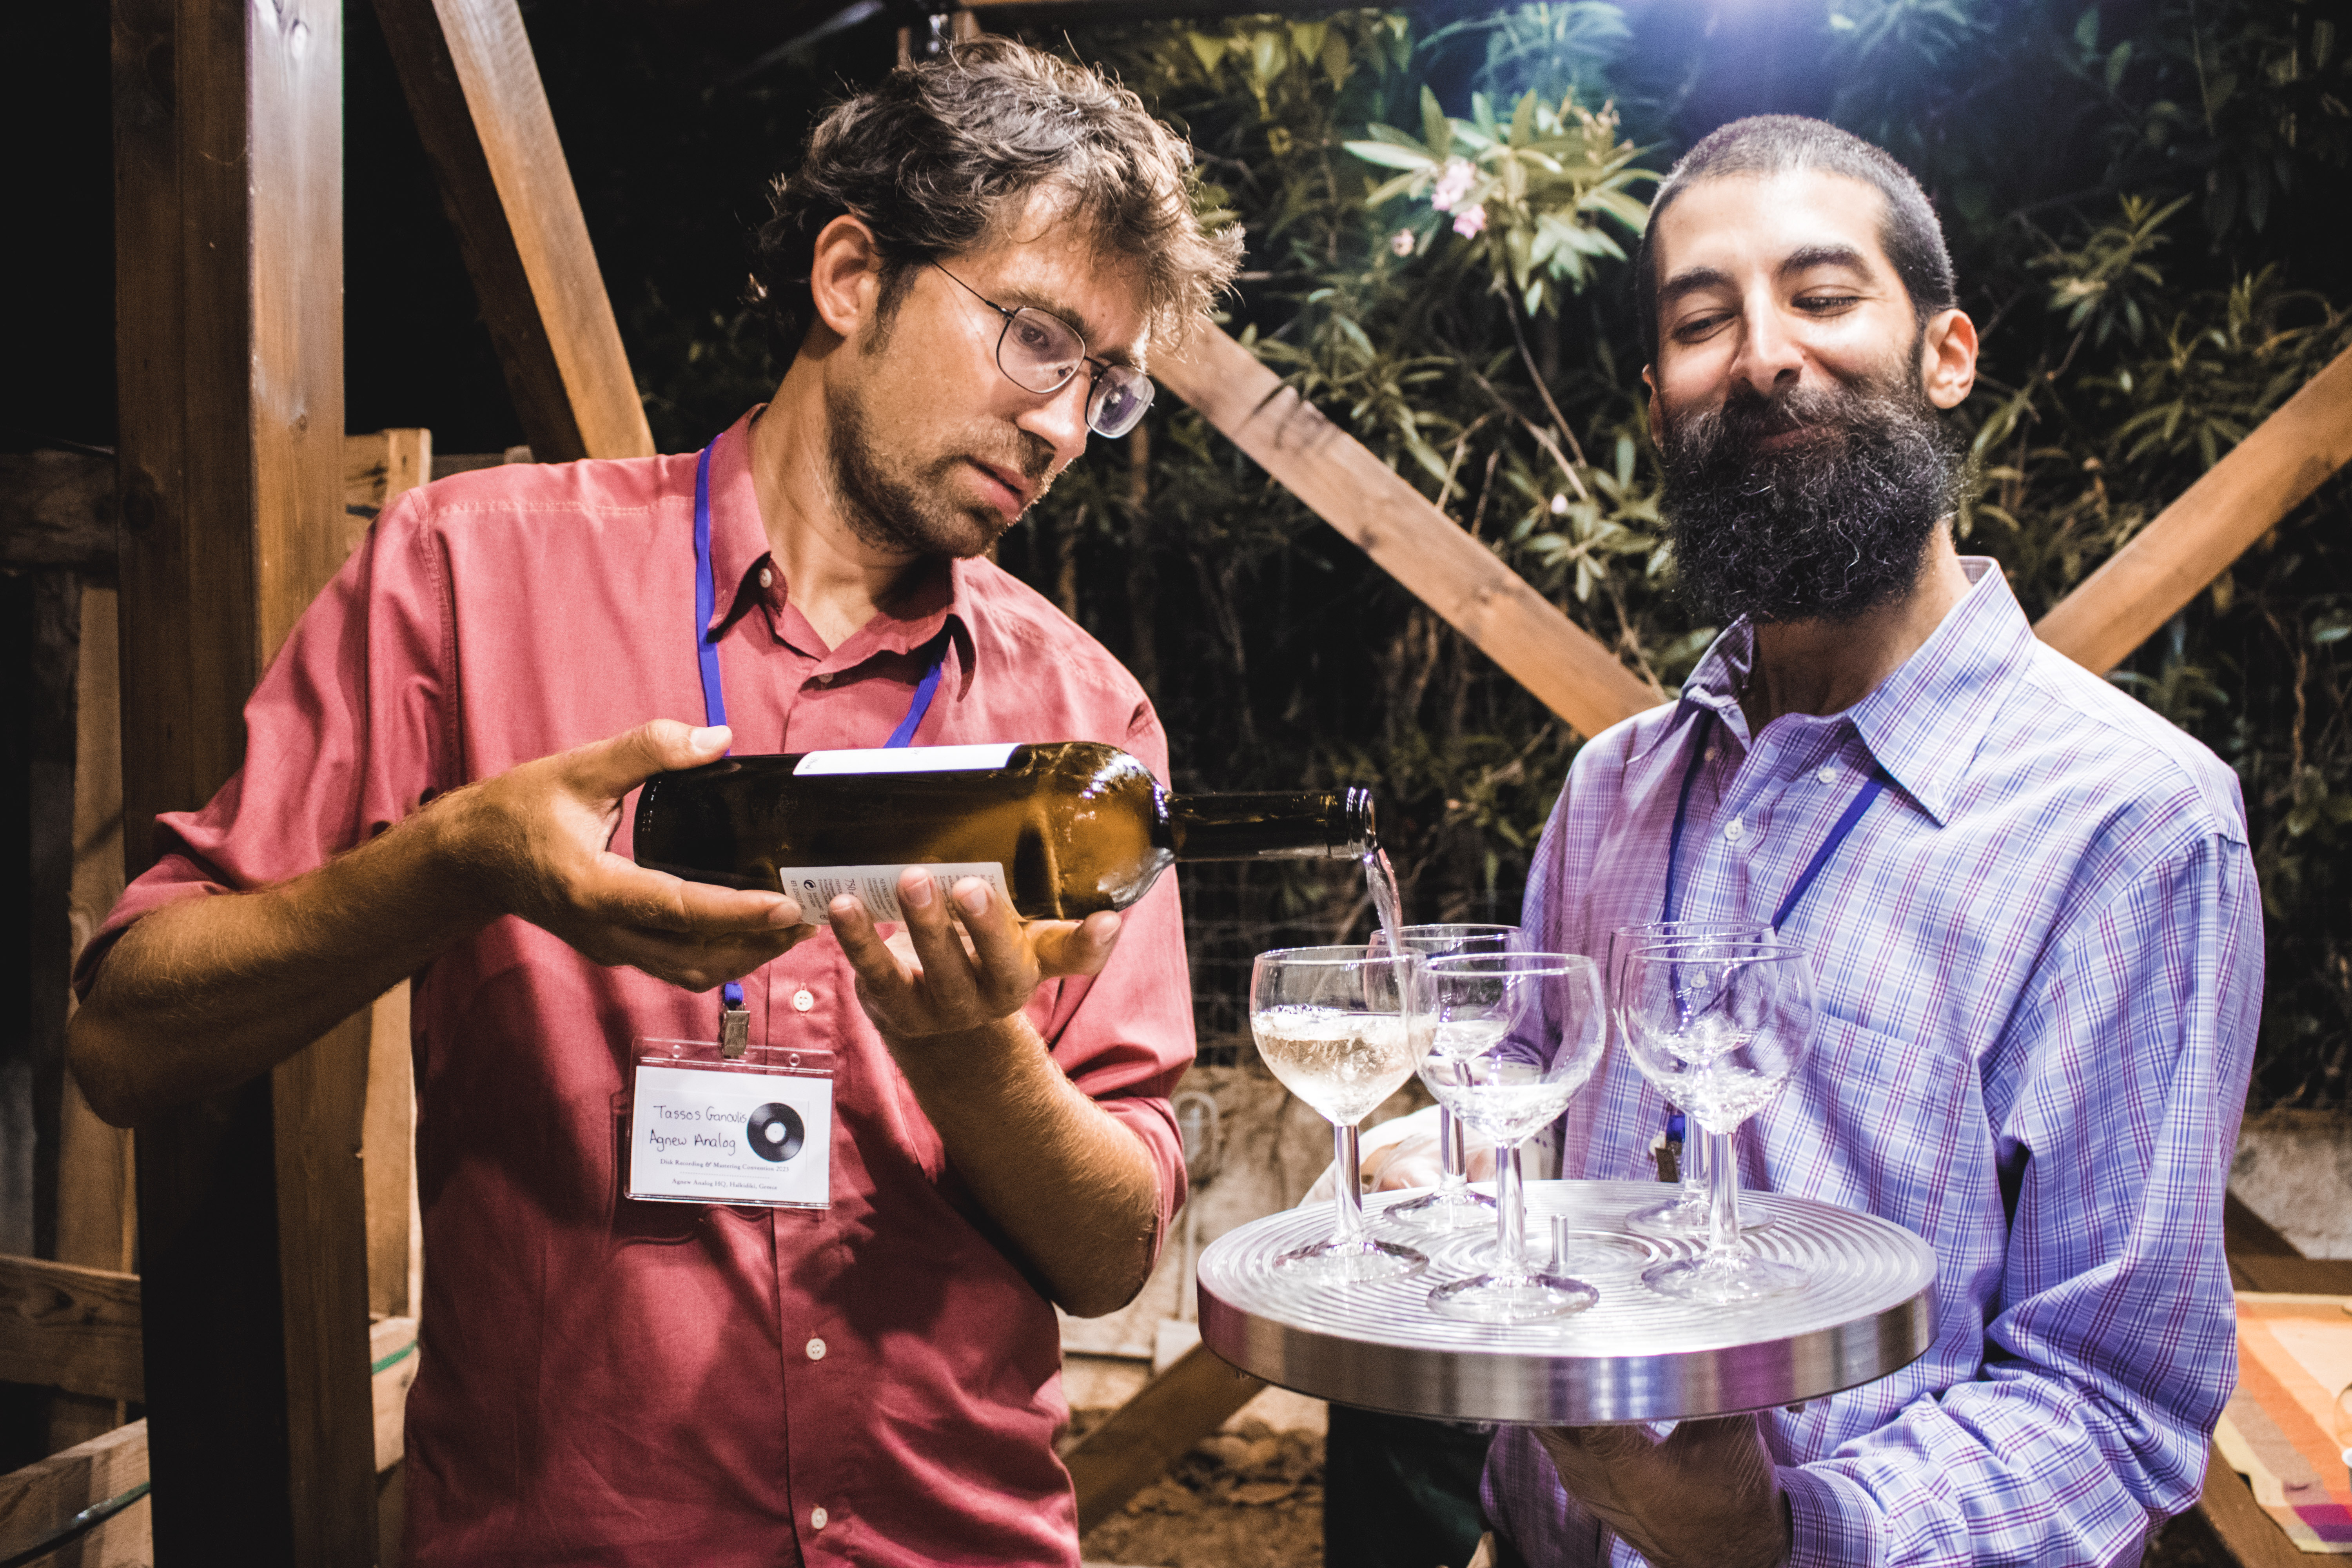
972,261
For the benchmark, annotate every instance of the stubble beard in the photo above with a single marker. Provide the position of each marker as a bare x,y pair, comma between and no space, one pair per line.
1829,527
900,506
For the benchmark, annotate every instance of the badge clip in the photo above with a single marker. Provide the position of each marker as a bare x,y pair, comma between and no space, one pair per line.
734,1024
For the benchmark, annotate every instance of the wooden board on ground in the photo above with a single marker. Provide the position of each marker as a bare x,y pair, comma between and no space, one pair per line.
1152,1431
1566,667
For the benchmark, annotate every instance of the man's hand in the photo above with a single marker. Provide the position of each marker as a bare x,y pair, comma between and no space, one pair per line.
974,962
534,840
1709,1494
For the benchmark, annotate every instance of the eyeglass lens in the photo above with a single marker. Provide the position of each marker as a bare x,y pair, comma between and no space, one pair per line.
1040,353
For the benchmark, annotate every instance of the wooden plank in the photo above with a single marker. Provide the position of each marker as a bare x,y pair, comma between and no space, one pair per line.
387,1156
2194,540
42,1500
229,333
473,91
393,1343
64,1326
1152,1431
1571,671
58,508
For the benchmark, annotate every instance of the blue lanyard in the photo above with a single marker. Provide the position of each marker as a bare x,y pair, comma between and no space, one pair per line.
1702,731
714,700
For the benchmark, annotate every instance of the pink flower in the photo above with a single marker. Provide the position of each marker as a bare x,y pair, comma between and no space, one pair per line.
1402,242
1453,183
1470,223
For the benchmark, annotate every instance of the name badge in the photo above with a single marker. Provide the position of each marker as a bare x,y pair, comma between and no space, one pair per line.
754,1128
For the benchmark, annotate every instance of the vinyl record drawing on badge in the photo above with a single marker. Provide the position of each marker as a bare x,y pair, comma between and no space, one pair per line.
775,1132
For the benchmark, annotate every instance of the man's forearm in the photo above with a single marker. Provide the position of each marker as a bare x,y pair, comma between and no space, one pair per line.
202,996
1073,1189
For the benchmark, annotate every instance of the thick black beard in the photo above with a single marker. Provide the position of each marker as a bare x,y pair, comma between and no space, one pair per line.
1829,527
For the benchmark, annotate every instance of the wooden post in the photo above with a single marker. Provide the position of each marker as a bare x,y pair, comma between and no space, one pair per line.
473,91
2240,497
1567,668
229,153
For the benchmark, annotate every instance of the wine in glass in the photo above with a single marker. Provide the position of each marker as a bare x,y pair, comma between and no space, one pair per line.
1720,1028
1686,1213
1517,1035
1455,1204
1342,1029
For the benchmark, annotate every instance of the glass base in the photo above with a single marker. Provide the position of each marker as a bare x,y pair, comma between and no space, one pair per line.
1723,1278
1512,1299
1684,1219
1597,1251
1459,1208
1352,1262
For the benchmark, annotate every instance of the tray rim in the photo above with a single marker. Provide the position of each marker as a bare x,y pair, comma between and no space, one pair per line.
1518,1388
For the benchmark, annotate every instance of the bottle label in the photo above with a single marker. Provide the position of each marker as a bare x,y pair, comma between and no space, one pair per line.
906,759
877,887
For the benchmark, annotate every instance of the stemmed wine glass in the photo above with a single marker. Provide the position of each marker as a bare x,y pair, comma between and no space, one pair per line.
1686,1213
1455,1204
1517,1035
1720,1028
1342,1027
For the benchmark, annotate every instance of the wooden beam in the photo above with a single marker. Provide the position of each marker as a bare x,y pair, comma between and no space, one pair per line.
1152,1431
2194,540
43,1501
56,508
1571,671
473,91
393,1343
64,1326
228,157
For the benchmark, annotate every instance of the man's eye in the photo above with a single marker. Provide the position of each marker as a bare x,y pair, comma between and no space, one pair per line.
1697,327
1035,337
1822,304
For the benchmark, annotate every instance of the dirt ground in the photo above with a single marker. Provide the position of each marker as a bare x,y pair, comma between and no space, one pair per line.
1251,1497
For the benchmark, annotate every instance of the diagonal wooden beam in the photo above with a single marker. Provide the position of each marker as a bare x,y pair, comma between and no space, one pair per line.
1135,1446
2194,540
1570,671
474,92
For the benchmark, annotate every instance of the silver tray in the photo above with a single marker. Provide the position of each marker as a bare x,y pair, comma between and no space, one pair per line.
1868,1311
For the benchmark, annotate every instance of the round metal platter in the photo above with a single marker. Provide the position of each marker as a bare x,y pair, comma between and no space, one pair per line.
1868,1310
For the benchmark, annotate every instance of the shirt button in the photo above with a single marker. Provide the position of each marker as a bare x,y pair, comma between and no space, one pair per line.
1733,831
767,578
816,1350
803,1000
1827,775
817,1516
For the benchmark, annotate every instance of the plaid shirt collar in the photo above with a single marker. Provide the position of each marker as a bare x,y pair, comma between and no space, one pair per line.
1925,723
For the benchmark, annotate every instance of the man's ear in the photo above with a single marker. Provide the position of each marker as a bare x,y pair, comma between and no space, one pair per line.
845,275
1657,419
1948,359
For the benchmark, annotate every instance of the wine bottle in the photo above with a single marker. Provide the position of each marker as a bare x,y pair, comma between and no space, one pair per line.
1061,829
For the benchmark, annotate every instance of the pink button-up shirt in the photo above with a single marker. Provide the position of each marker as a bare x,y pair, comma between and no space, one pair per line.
604,1380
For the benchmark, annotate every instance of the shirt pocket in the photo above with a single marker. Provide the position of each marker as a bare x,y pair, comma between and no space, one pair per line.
1885,1125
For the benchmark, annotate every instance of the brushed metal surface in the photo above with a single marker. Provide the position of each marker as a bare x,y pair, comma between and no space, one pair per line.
1868,1311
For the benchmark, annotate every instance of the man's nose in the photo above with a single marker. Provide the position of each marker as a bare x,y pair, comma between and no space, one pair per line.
1059,418
1769,361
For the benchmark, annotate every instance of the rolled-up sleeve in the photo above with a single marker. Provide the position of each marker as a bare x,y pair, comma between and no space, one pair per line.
2112,1349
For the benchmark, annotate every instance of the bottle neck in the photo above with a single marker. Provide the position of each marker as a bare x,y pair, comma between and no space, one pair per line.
1317,824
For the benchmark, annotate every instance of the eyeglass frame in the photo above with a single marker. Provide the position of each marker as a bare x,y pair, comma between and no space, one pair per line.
1094,384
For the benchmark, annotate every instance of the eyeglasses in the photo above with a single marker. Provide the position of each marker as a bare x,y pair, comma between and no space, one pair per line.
1040,352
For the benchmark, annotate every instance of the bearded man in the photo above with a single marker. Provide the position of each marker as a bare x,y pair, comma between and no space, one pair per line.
2038,950
968,269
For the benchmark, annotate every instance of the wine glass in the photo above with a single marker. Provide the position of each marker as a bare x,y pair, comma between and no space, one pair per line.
1455,1204
1720,1028
1686,1213
1517,1035
1342,1027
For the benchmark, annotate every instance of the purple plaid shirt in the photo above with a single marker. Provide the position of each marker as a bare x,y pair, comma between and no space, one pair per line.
2039,957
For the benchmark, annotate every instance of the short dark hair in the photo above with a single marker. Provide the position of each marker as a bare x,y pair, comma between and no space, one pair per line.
937,155
1767,144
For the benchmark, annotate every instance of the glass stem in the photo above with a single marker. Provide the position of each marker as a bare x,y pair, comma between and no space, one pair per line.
1698,1146
1349,1170
1510,1213
1723,1195
1453,1158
